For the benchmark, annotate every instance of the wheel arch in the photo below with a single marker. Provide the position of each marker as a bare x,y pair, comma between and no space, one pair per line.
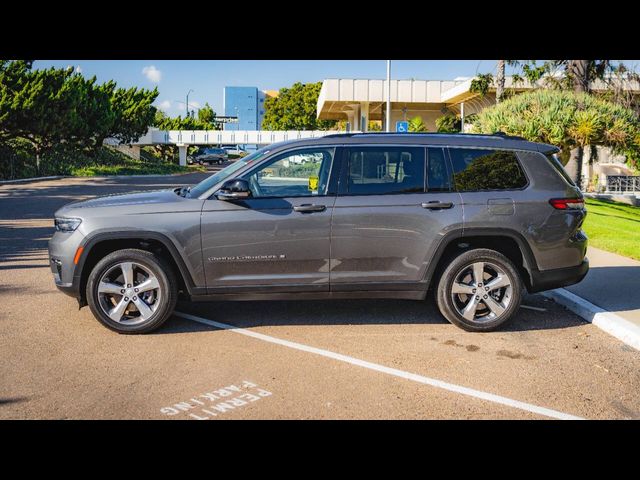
508,242
98,245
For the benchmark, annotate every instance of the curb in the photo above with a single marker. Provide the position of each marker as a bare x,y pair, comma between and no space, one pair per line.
34,179
609,322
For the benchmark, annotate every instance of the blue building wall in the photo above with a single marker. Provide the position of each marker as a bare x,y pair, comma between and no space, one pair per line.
247,103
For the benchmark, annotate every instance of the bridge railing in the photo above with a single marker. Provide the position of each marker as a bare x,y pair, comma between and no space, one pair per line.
232,137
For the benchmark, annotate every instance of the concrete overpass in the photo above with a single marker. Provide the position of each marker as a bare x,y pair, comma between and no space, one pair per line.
184,138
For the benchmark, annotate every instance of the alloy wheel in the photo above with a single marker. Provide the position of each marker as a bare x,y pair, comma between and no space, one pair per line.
481,292
129,293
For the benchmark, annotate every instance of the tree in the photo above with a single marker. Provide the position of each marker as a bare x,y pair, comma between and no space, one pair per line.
59,107
164,122
566,119
482,82
11,77
206,116
295,109
417,125
39,105
575,75
133,112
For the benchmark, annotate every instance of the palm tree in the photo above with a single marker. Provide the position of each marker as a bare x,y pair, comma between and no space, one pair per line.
500,81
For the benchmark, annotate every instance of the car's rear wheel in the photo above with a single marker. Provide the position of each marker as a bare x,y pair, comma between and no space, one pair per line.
131,291
479,290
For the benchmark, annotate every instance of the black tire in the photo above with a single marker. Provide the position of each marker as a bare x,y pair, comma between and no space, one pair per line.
162,271
458,264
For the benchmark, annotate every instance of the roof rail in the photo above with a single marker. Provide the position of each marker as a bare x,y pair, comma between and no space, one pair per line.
493,135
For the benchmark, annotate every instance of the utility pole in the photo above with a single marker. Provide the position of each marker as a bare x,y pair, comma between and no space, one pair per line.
388,110
187,105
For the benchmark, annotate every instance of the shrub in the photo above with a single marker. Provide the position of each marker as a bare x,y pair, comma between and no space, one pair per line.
565,119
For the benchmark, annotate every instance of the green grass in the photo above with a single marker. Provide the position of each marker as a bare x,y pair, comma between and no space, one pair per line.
614,227
134,168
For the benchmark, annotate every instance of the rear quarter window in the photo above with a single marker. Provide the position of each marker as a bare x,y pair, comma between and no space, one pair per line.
486,169
555,162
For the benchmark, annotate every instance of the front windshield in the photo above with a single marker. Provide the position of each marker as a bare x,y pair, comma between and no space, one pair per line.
225,173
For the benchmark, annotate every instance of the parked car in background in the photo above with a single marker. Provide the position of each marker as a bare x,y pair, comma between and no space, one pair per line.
210,156
235,150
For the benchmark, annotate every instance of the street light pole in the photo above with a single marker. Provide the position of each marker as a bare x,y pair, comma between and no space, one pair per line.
388,110
187,105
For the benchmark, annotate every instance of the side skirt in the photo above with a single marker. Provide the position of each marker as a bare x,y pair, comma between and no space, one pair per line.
400,294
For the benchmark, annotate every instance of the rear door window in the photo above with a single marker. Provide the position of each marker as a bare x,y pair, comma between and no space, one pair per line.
553,159
385,170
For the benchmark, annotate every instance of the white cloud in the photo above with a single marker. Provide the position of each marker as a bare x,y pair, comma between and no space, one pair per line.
164,105
152,73
78,69
194,104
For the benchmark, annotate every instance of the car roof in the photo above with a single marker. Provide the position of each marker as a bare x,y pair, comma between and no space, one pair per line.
498,140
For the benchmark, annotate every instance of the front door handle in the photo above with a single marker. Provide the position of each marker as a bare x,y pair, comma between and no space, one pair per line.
309,208
435,205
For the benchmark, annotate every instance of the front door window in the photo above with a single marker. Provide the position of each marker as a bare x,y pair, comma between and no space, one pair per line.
300,173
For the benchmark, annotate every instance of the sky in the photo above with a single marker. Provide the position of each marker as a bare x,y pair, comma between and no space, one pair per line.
207,78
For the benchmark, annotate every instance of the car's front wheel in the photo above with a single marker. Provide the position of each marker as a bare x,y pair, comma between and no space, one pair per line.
479,290
131,291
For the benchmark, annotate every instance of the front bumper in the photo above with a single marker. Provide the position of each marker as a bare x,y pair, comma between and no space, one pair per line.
62,250
68,289
542,280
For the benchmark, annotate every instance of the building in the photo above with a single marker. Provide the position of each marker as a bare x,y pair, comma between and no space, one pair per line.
360,100
246,103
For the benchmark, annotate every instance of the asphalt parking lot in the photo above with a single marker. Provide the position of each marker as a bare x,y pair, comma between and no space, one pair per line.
286,360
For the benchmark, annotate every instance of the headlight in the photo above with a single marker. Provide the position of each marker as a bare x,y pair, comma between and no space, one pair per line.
67,224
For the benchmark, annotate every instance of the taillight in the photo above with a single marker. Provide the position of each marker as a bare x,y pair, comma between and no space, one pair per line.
567,203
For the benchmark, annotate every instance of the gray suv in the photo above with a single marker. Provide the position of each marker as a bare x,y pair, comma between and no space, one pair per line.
478,218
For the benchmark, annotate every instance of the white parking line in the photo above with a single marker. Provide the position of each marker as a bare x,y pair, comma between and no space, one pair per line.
528,407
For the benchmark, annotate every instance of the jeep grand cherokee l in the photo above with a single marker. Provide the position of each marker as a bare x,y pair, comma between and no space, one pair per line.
479,218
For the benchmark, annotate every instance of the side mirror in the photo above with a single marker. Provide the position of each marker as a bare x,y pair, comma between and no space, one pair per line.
236,189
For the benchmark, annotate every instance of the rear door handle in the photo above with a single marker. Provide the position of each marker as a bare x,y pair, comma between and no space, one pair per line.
309,208
435,205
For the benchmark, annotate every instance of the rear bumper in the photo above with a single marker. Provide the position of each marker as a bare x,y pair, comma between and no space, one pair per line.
557,278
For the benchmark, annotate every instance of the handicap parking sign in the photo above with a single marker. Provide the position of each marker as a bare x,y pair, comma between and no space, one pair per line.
402,127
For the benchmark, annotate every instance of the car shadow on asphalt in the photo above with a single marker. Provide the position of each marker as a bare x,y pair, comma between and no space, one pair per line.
354,312
41,200
17,241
